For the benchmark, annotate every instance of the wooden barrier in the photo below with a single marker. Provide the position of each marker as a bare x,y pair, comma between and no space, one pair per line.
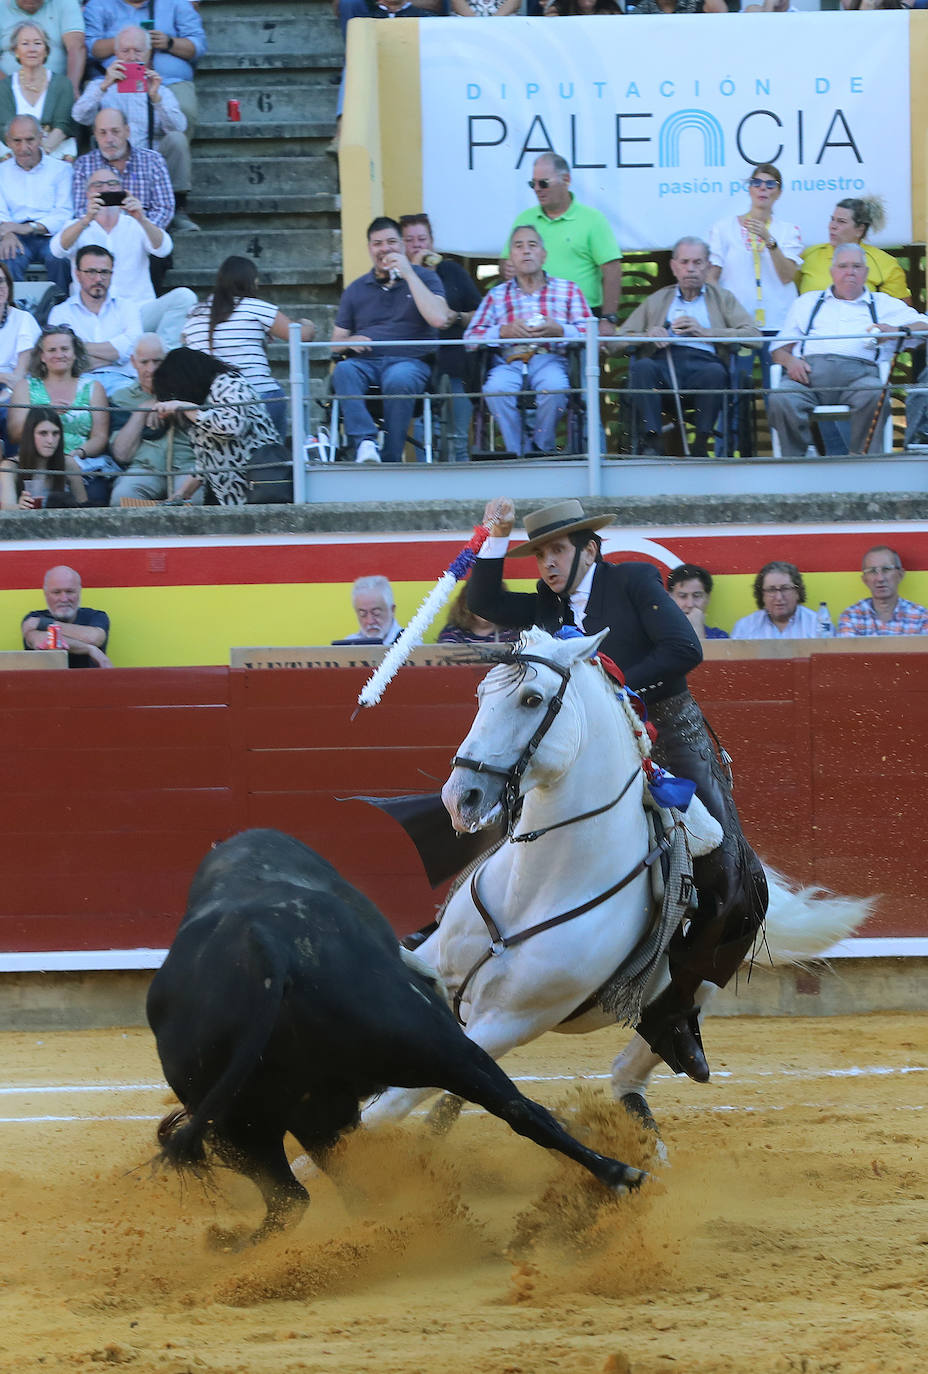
118,782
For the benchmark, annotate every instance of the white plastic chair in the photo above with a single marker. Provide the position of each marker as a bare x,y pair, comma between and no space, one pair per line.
830,412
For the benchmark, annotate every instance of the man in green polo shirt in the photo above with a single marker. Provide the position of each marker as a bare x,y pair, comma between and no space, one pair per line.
579,240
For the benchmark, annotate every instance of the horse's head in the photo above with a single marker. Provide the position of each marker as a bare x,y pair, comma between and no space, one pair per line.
527,730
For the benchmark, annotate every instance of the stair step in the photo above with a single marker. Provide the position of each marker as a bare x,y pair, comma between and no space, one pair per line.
267,246
238,179
278,34
269,203
201,276
251,65
318,128
269,103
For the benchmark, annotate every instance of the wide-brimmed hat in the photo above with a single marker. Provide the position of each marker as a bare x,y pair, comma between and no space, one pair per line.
553,521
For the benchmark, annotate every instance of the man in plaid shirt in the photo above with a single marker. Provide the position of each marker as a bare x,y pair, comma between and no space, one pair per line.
523,317
142,171
884,611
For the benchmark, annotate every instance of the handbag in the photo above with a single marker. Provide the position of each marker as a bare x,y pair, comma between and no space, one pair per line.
269,476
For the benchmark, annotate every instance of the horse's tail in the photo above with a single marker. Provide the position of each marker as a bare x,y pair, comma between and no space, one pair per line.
803,922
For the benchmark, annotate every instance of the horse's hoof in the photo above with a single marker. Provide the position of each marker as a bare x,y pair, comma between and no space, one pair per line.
631,1180
637,1107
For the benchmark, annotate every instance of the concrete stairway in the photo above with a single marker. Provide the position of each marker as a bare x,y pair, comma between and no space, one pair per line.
265,186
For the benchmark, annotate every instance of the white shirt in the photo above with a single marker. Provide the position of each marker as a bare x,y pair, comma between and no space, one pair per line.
18,333
131,249
837,316
730,248
42,192
802,624
699,310
118,323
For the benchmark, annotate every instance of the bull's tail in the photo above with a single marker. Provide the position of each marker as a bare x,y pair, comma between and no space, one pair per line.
182,1133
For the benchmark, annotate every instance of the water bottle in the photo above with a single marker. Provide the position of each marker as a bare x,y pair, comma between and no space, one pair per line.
825,628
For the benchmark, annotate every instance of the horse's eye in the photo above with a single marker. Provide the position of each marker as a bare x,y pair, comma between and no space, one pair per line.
532,699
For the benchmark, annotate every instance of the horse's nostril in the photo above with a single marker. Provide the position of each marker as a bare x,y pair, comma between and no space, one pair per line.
471,799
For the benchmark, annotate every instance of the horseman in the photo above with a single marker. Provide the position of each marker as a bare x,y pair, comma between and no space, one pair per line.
655,646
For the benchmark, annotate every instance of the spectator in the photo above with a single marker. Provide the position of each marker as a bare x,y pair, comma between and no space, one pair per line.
850,222
779,591
679,7
756,256
683,314
579,240
822,369
154,117
55,379
18,333
177,41
39,475
34,90
485,9
463,297
142,171
566,8
35,201
85,632
129,235
234,324
156,455
225,419
464,626
691,586
62,22
347,10
884,611
395,300
107,325
521,316
375,608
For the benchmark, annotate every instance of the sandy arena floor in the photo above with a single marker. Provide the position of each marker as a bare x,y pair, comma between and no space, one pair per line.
789,1234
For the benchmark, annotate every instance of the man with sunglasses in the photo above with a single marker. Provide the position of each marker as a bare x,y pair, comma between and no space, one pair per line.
579,240
884,611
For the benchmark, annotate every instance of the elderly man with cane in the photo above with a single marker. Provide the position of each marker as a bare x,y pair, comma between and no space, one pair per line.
824,368
678,320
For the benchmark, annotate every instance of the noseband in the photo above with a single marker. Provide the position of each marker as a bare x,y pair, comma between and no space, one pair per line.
514,774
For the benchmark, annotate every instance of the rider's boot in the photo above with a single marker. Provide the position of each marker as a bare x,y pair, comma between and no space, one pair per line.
418,937
670,1025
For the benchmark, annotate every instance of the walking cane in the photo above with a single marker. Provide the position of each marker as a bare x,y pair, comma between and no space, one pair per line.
904,331
678,399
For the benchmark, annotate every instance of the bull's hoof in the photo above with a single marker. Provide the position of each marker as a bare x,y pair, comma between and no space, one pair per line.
637,1106
228,1240
169,1124
444,1114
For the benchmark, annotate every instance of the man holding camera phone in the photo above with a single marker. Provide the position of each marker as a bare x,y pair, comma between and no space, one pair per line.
155,119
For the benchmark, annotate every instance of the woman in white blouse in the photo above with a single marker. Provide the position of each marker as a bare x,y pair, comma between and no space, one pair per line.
34,90
756,256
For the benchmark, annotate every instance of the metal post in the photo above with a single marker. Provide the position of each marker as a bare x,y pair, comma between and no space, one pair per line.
297,414
593,426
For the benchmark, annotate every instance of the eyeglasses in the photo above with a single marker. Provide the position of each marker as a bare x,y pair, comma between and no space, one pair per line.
871,572
779,591
542,184
96,271
767,184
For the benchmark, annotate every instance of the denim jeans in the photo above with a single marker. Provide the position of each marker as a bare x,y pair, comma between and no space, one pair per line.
352,377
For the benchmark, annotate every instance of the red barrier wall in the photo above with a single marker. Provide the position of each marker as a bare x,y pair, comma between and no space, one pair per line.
118,782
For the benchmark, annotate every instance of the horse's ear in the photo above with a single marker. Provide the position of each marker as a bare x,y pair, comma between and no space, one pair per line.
585,646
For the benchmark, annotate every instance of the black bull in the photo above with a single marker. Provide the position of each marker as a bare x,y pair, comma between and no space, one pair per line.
284,1002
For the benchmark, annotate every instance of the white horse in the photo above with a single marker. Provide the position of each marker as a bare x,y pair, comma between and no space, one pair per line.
551,726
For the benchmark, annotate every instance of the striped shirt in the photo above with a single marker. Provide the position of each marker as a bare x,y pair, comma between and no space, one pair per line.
908,618
145,176
558,299
239,340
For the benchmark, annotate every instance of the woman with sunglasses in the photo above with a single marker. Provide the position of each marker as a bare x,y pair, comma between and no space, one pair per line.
850,222
41,475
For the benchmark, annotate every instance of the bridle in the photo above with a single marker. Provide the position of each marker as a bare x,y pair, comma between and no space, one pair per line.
513,776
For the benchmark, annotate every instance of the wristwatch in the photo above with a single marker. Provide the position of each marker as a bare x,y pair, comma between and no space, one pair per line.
772,244
170,42
612,317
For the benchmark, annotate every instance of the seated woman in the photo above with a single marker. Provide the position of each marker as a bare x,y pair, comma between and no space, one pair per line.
850,222
234,325
223,416
34,90
41,475
54,379
463,627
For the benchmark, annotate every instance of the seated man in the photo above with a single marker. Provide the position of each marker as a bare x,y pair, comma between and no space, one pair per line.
107,326
691,586
154,116
522,316
779,591
143,172
63,23
35,201
134,240
884,611
81,630
395,300
679,317
157,454
375,608
823,370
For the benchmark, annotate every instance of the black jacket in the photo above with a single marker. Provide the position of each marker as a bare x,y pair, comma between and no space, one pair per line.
649,636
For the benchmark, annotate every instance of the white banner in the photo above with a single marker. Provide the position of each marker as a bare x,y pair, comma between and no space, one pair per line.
662,118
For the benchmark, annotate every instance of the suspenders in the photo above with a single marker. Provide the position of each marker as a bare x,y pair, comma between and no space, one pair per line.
817,307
